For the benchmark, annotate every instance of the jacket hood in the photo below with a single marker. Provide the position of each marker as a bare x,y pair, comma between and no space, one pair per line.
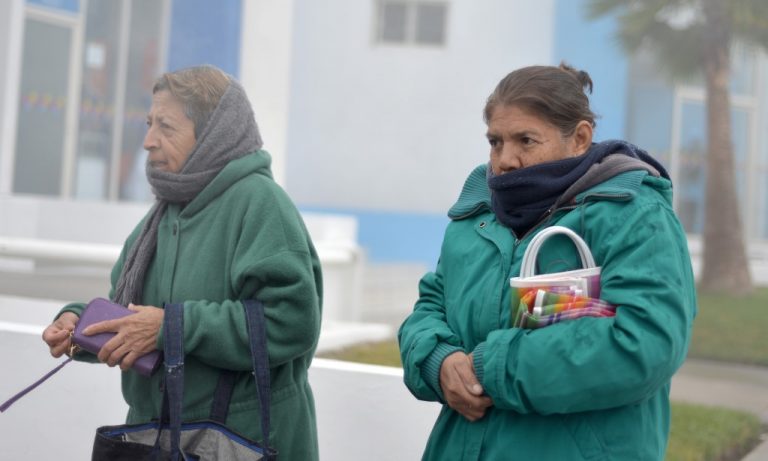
257,162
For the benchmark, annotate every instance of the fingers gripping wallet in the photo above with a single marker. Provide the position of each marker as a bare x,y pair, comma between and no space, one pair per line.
99,310
96,311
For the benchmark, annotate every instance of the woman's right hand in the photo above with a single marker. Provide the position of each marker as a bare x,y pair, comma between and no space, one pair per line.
461,388
57,335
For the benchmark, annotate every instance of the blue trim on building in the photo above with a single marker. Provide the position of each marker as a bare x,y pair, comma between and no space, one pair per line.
396,236
205,32
70,6
592,46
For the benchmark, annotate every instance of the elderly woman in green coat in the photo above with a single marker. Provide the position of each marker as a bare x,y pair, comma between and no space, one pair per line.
221,231
584,389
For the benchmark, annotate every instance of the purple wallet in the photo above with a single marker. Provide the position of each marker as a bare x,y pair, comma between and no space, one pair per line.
97,311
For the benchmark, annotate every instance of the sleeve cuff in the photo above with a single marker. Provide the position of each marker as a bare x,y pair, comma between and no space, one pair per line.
477,361
75,308
430,370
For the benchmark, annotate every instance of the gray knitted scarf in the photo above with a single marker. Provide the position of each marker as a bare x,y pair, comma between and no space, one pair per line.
230,133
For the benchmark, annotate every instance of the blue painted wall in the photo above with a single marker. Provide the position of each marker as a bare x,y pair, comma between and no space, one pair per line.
591,46
205,32
397,237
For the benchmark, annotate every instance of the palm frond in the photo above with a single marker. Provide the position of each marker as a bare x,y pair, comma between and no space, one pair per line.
599,8
654,25
750,21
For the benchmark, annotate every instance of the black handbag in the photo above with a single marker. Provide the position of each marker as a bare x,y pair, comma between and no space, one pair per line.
170,438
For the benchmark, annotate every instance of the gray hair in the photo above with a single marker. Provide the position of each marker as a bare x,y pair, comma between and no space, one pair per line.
199,89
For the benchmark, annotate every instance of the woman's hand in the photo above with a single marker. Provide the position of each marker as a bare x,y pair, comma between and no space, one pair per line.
135,336
461,388
58,334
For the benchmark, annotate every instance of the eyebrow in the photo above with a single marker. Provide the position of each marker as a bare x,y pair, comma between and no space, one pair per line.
514,134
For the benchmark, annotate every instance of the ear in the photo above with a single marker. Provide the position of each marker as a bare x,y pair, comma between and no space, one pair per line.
581,139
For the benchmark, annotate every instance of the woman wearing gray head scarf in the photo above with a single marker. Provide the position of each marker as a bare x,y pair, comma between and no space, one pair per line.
221,231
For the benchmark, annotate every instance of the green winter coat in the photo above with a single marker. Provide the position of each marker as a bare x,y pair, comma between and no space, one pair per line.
587,389
240,238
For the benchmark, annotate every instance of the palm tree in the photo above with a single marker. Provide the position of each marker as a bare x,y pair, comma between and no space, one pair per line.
690,37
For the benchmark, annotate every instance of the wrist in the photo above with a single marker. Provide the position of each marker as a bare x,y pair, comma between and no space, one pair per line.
433,364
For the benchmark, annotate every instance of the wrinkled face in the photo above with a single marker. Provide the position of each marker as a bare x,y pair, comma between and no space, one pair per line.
170,134
520,139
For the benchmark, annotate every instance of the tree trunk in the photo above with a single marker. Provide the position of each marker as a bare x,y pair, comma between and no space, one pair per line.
725,264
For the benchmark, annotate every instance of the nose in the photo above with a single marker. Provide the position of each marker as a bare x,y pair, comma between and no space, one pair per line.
150,139
508,159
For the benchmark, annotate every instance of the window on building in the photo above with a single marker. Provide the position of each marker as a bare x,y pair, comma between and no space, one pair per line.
44,94
120,63
680,138
692,175
411,22
89,92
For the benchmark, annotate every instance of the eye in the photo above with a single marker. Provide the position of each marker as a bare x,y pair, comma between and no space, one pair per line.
527,141
493,142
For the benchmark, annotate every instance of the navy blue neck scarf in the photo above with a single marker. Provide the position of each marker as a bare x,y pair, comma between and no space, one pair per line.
521,198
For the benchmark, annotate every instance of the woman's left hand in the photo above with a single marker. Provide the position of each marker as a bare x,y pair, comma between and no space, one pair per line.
136,335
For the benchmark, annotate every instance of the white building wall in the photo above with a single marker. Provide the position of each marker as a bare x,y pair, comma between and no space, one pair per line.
386,127
265,67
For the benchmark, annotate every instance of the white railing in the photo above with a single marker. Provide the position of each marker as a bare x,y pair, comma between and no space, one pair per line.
97,254
100,254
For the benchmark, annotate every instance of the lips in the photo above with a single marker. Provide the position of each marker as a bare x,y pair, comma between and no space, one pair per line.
158,164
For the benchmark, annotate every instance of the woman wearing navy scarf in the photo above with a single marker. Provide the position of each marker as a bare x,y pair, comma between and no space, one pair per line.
589,388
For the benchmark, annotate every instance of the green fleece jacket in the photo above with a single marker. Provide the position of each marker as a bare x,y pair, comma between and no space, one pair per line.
586,389
240,238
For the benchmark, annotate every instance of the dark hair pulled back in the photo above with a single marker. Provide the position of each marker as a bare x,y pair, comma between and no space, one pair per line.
555,93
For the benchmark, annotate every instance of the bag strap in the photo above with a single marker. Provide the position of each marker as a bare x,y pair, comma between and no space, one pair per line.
32,386
257,339
222,396
528,268
173,349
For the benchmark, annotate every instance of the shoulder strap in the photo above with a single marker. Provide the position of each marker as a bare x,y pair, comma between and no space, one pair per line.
257,336
222,396
173,348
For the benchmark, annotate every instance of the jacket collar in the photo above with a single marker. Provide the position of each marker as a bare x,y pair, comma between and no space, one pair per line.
475,196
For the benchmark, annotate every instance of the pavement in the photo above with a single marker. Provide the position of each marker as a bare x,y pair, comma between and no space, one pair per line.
739,387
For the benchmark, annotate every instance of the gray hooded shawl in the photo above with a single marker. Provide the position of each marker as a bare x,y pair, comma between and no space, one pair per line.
229,134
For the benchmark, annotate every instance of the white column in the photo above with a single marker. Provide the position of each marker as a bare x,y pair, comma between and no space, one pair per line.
11,38
265,71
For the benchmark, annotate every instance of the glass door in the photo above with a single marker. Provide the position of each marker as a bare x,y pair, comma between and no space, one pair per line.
121,60
41,135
